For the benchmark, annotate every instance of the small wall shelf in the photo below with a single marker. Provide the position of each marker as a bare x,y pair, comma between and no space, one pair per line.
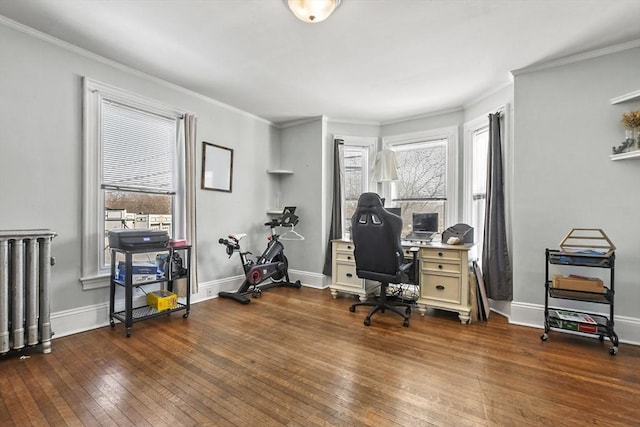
280,172
631,96
624,156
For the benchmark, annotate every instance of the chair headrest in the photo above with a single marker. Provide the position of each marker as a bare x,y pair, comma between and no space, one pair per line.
369,200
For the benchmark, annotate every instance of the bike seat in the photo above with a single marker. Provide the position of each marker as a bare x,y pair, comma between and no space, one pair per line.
237,237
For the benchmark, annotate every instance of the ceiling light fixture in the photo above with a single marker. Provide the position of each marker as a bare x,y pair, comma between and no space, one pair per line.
313,11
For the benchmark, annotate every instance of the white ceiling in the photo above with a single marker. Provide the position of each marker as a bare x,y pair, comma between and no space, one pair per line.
372,61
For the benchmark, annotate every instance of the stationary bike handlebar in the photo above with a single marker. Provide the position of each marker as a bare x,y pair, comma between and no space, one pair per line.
231,246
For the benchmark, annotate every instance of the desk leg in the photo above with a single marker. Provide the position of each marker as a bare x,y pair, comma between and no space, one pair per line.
464,316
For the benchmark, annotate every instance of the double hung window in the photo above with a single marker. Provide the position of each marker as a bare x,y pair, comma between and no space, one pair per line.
133,171
355,161
476,140
426,176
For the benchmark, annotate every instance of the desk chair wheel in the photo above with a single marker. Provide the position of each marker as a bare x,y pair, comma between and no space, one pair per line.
405,323
352,309
367,322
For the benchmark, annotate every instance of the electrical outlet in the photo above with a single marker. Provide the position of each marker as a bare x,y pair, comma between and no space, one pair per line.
209,292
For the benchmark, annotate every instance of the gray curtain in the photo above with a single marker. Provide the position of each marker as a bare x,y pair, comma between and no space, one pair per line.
190,122
335,231
495,253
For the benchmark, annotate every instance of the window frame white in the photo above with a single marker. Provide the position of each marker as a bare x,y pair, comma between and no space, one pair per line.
470,129
451,135
368,145
93,274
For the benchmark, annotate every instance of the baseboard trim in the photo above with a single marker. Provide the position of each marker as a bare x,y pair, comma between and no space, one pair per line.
309,279
532,315
82,319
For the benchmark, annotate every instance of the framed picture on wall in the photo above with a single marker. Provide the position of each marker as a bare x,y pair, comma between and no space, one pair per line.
217,167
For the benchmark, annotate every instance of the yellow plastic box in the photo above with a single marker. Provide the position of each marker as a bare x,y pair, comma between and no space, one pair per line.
162,300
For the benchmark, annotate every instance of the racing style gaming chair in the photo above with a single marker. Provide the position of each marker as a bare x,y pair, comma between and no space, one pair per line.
378,252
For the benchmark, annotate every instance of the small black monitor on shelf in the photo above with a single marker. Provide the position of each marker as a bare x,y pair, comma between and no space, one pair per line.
397,211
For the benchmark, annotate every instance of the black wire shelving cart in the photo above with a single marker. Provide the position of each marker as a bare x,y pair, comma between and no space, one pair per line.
581,247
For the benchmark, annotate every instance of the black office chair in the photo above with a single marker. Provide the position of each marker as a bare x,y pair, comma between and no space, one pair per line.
378,252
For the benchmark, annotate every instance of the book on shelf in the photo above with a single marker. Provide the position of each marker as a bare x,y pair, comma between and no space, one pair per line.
590,329
575,317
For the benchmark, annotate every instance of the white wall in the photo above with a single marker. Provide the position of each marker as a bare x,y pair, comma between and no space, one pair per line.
301,151
564,129
41,159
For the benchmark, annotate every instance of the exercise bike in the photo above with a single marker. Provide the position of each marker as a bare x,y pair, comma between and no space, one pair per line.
271,265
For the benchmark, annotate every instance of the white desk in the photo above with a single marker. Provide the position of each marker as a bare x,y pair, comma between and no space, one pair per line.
443,276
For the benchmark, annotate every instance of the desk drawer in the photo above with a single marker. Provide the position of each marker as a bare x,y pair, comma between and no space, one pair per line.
346,275
344,246
441,254
441,267
440,288
347,257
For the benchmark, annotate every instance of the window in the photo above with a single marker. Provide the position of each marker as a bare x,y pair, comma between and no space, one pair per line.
355,156
480,141
132,178
426,176
475,179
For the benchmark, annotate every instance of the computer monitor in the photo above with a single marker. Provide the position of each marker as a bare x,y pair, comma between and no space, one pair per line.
425,222
397,211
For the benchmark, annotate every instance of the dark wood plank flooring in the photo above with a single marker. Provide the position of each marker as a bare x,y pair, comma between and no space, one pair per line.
298,357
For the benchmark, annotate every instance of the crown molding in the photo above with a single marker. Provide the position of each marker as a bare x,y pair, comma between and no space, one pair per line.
487,95
93,56
578,57
297,122
354,122
424,116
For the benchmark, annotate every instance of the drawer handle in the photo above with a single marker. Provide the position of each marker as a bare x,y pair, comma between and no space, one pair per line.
348,257
348,247
349,275
440,254
440,287
440,266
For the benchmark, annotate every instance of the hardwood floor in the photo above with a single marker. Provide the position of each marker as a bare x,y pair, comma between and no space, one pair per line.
298,357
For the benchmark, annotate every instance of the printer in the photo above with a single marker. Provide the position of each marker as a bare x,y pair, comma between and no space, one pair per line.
462,232
138,239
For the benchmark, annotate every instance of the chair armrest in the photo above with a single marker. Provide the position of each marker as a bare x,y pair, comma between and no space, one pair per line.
413,265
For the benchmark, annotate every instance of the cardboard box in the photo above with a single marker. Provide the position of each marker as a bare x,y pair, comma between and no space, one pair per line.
162,300
578,283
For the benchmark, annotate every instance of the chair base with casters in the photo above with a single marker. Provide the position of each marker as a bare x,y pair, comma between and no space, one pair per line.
382,304
379,255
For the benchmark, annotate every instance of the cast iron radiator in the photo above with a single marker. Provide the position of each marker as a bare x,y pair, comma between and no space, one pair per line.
25,271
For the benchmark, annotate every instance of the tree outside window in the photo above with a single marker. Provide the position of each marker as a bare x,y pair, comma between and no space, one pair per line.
422,180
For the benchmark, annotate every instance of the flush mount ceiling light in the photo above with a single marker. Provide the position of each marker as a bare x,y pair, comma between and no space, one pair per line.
313,11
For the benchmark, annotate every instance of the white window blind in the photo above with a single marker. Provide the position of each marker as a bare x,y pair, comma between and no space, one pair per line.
138,150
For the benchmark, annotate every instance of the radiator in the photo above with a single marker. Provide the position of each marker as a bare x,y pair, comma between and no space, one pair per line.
25,271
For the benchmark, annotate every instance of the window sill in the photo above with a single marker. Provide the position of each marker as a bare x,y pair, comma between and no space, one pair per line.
94,282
